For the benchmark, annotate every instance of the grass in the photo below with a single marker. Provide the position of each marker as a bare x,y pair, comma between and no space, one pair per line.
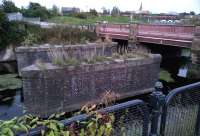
89,20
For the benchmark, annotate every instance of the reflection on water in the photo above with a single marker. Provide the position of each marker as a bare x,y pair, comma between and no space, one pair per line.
11,104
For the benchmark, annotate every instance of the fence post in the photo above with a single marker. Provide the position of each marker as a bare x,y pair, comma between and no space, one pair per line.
197,129
157,101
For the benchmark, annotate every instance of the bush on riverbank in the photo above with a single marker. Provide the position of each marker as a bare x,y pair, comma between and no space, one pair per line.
20,33
57,35
10,32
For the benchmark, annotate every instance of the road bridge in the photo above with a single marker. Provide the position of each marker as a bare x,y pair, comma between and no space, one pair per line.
172,35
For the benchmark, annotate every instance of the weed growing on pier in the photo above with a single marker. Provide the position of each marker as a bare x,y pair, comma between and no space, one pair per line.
96,59
40,64
109,97
71,61
60,57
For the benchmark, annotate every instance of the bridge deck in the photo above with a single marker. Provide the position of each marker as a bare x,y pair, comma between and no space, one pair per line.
173,35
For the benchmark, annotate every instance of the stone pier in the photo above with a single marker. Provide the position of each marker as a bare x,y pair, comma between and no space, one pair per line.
195,67
56,89
27,56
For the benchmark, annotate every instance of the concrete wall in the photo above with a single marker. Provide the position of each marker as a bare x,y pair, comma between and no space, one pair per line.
56,89
26,56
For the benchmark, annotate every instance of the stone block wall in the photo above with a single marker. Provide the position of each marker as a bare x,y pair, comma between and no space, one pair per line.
196,47
56,89
27,56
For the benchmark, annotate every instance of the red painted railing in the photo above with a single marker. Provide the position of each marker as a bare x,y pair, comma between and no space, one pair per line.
148,33
167,28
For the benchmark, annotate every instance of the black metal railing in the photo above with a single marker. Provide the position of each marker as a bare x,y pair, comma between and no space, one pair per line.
180,116
130,119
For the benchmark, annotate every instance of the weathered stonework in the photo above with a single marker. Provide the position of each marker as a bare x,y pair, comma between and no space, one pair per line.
56,89
27,56
196,46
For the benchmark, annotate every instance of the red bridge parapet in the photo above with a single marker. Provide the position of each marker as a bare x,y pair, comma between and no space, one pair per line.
173,35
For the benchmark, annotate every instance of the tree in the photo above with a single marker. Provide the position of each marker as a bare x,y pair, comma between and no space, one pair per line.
115,11
36,10
54,11
182,15
3,32
93,12
10,32
192,13
105,11
9,7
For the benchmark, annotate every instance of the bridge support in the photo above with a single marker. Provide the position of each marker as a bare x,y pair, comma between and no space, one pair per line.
196,47
195,50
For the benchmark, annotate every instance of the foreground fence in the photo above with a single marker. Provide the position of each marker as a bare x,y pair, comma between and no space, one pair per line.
181,112
177,114
130,119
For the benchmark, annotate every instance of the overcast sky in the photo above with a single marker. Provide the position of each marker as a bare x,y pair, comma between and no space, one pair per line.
155,6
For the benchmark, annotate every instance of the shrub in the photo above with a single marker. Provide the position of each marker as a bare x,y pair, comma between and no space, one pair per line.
65,35
79,15
30,39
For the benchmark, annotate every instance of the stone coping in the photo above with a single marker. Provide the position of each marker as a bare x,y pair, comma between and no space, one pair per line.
44,47
86,67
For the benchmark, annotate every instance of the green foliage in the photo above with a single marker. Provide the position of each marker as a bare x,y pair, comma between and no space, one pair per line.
65,35
93,12
54,11
71,61
96,59
10,32
127,55
165,76
9,128
80,15
90,19
9,81
16,32
41,65
30,39
3,29
27,122
100,124
36,10
9,7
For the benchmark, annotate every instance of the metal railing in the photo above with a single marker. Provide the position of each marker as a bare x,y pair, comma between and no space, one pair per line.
177,114
181,112
130,119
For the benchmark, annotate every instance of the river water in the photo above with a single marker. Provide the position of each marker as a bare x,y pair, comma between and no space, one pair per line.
12,104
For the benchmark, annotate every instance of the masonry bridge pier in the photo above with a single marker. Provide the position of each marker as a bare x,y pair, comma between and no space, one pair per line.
182,37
